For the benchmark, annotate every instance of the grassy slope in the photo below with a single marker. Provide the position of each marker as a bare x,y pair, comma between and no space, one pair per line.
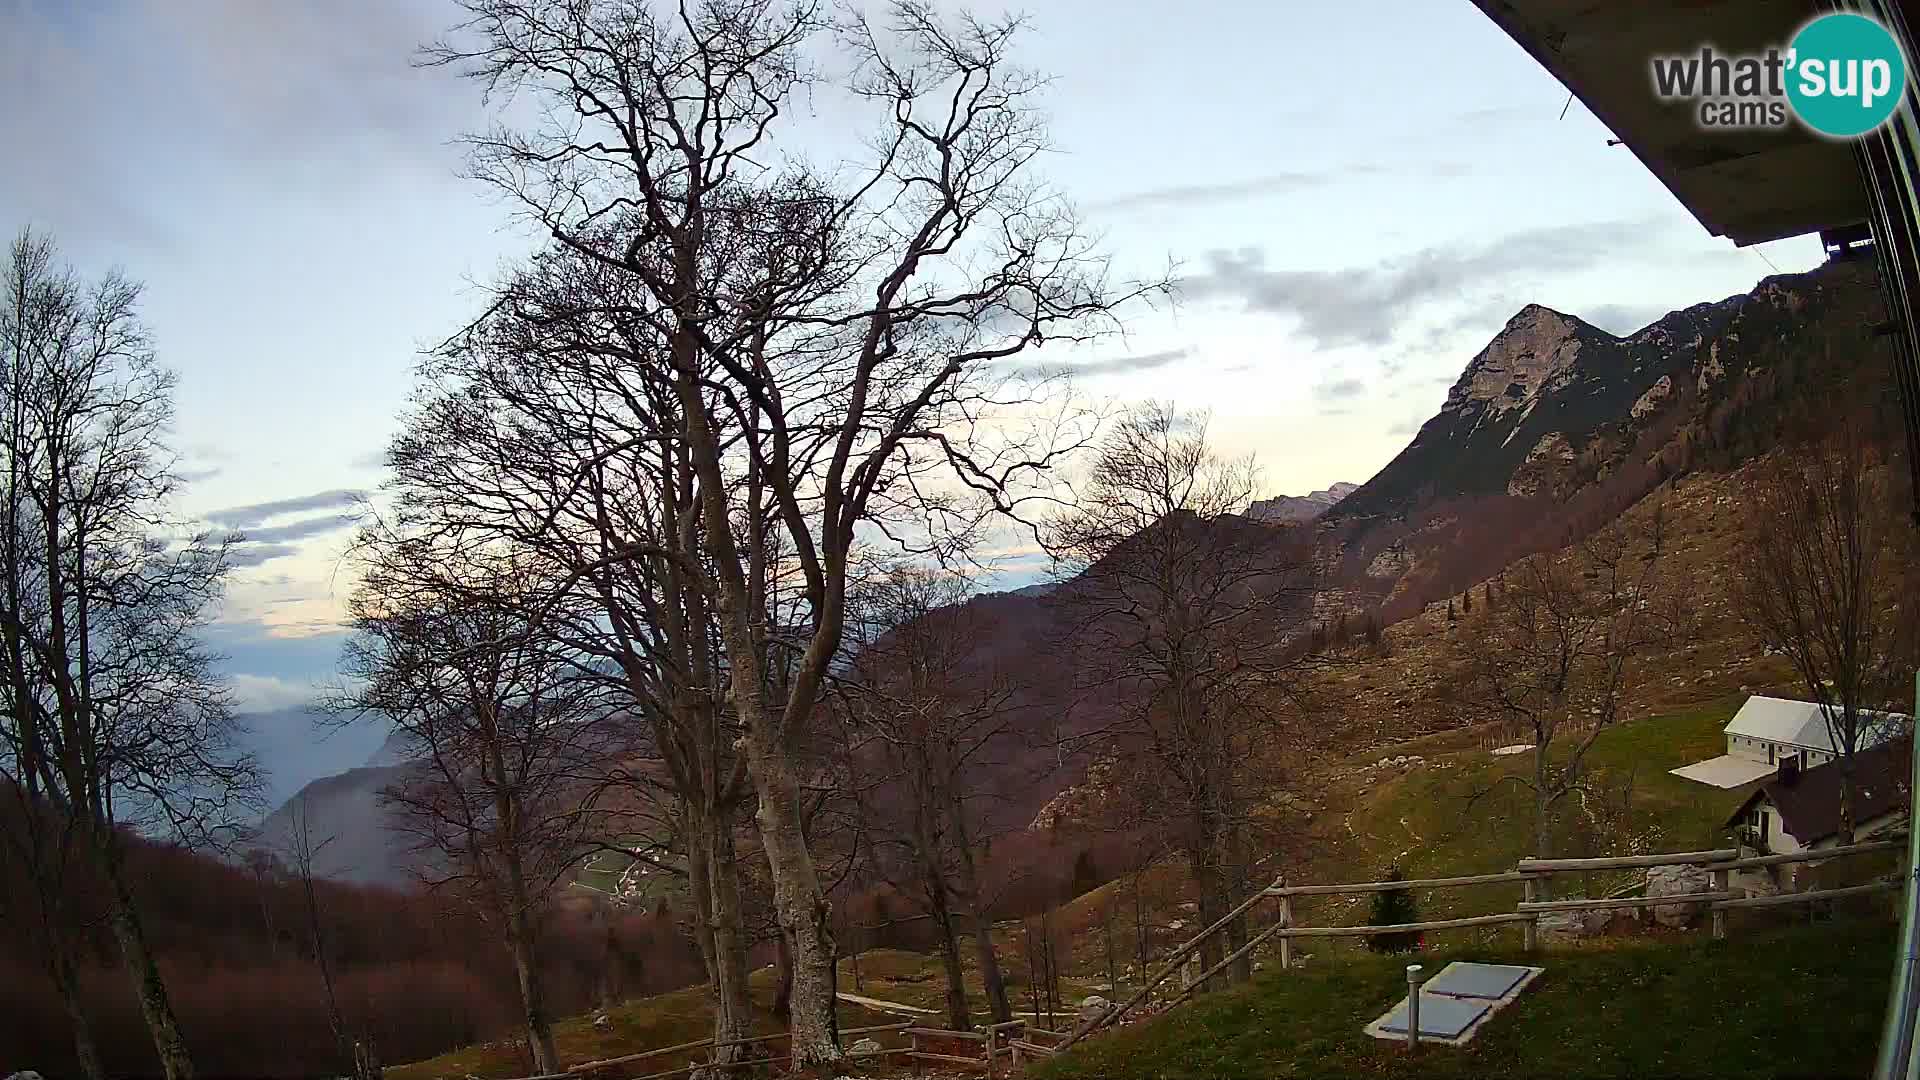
1800,1002
1457,813
664,1020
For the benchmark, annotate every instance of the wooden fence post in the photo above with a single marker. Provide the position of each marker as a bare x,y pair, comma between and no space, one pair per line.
1529,930
1720,878
1286,943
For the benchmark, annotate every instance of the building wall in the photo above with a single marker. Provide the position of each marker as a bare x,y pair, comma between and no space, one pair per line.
1742,746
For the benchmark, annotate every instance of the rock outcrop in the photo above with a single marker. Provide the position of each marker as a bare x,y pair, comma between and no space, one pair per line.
1294,509
1677,881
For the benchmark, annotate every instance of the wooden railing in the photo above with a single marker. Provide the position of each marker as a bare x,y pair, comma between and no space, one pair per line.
575,1071
998,1042
1529,873
1017,1041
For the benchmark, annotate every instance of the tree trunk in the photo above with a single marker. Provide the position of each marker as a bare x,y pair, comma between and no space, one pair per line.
799,903
1846,800
1235,873
733,1011
335,1022
782,976
802,910
67,981
993,981
155,1006
957,1017
1542,815
1140,924
990,975
546,1058
1211,884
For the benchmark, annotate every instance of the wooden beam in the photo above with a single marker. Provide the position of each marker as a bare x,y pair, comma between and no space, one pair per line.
1809,897
588,1066
1810,856
941,1033
1401,928
1627,862
1631,901
1384,886
949,1059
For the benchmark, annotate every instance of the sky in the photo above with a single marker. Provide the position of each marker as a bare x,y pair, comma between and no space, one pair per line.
1351,213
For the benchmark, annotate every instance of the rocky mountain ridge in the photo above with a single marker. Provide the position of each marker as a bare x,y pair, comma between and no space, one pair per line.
1557,426
1293,509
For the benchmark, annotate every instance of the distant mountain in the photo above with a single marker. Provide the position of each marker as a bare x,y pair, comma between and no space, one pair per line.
345,811
1293,509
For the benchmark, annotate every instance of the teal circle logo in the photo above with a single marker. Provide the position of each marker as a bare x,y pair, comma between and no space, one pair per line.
1845,75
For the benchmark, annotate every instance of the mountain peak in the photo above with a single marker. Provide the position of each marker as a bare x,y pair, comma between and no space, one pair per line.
1534,352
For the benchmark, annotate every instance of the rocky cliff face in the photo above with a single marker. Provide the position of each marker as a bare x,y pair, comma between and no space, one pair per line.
1293,509
1553,403
1556,424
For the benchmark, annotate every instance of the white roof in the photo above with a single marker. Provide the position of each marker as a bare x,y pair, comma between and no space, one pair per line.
1725,771
1800,723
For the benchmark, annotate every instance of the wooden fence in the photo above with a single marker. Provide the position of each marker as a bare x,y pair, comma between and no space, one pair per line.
1529,873
998,1042
1017,1041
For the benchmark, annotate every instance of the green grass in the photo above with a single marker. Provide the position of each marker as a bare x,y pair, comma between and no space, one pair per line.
1464,812
1802,1002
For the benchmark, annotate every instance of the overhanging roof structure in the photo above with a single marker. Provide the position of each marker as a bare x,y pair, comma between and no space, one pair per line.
1749,186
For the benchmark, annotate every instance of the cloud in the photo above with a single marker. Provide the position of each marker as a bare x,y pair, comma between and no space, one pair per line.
1369,305
373,459
1114,365
1191,195
1203,194
1339,389
246,555
1410,426
264,693
298,530
255,514
1622,320
295,93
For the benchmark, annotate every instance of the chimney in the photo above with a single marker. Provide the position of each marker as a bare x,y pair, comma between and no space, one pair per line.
1789,769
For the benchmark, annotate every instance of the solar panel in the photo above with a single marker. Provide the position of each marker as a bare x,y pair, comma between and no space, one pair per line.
1466,980
1440,1017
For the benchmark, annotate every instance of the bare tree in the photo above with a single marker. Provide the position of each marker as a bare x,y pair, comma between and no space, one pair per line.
1181,617
302,849
1825,578
545,428
505,728
833,342
926,722
1575,634
115,709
